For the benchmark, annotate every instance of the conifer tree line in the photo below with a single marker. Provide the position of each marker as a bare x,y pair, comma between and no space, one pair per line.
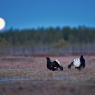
51,37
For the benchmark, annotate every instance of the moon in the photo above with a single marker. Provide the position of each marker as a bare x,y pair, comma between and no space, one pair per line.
2,23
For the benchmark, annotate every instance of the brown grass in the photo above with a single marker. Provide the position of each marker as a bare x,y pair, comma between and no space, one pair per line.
45,82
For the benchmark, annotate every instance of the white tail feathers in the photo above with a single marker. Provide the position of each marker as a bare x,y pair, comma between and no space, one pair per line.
77,62
58,61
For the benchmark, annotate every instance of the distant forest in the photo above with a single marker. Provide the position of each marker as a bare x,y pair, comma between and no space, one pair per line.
47,37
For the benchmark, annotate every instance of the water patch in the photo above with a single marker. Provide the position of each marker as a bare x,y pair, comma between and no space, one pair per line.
14,79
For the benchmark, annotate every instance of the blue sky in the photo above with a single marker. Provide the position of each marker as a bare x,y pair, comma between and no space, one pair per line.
38,13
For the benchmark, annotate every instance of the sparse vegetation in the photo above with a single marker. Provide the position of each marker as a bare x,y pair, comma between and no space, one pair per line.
43,81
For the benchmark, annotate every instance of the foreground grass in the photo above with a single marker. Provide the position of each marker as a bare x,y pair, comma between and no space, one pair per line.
47,88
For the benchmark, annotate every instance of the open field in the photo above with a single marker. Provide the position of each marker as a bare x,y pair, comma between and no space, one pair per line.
29,76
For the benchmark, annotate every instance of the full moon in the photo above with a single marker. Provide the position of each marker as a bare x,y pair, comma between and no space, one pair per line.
2,23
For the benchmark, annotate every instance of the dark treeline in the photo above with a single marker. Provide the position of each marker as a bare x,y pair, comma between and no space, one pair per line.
51,37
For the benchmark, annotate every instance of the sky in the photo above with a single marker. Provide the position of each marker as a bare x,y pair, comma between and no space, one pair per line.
45,13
